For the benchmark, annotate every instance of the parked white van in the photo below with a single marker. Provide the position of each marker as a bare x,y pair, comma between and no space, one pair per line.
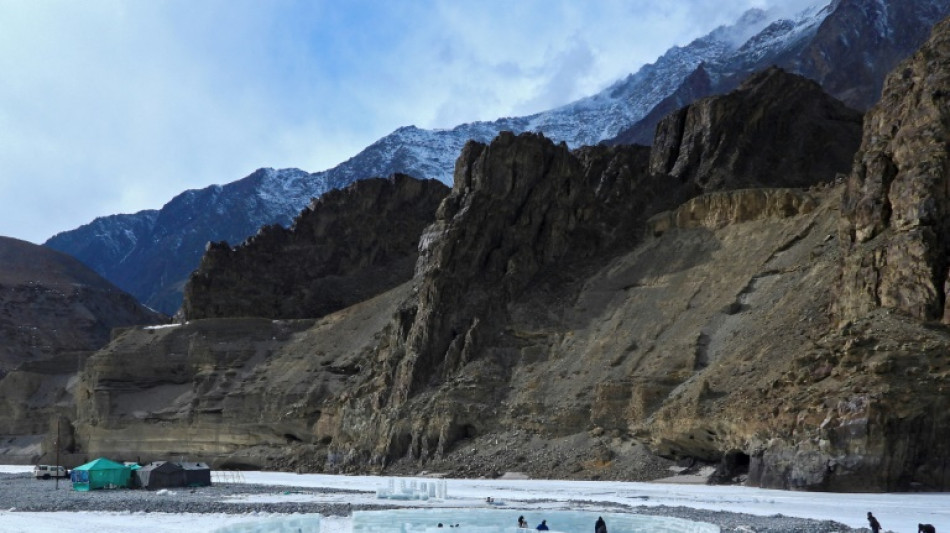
48,471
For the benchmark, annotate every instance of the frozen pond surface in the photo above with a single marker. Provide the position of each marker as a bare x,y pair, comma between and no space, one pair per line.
505,521
295,524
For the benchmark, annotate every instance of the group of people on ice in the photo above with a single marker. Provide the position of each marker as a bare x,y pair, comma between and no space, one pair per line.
599,526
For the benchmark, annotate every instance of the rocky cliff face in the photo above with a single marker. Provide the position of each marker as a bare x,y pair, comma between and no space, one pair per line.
571,310
349,245
896,205
568,309
890,298
54,312
772,121
523,215
860,43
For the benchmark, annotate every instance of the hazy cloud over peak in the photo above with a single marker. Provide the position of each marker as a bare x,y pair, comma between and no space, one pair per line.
110,106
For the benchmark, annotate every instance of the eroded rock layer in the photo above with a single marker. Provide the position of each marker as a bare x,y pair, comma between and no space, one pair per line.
230,391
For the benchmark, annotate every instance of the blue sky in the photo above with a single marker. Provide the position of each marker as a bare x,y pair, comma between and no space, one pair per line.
111,106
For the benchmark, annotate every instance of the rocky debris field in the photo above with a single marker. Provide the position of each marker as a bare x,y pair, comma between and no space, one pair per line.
572,457
20,492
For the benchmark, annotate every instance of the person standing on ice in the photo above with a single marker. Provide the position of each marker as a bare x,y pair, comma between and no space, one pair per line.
543,526
600,526
522,523
875,525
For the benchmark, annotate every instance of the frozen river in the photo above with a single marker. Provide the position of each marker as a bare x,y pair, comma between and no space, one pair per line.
537,499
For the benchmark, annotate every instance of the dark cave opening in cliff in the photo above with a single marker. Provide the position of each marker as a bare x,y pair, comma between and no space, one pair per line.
741,461
736,463
733,466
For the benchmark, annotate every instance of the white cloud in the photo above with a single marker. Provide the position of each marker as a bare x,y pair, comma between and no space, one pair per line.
111,106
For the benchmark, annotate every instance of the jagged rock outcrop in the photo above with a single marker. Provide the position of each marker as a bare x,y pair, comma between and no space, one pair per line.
476,324
520,206
775,124
696,86
614,341
54,312
896,208
349,245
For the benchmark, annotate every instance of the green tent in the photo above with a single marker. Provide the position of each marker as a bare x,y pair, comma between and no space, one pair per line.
101,474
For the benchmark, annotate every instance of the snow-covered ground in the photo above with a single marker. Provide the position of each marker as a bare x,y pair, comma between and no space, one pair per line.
897,512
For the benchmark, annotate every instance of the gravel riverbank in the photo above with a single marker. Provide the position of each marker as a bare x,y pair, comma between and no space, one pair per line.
20,492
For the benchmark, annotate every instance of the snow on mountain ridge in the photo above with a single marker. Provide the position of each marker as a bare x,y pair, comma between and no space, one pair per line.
285,189
432,153
168,245
783,32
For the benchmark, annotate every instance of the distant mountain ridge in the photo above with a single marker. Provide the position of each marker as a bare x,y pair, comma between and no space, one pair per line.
150,254
848,47
54,313
51,305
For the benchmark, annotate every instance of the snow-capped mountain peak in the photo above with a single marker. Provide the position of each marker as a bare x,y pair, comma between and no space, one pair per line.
151,254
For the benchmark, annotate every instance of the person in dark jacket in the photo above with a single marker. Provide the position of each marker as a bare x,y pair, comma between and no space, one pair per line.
875,525
600,526
926,528
522,523
543,526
